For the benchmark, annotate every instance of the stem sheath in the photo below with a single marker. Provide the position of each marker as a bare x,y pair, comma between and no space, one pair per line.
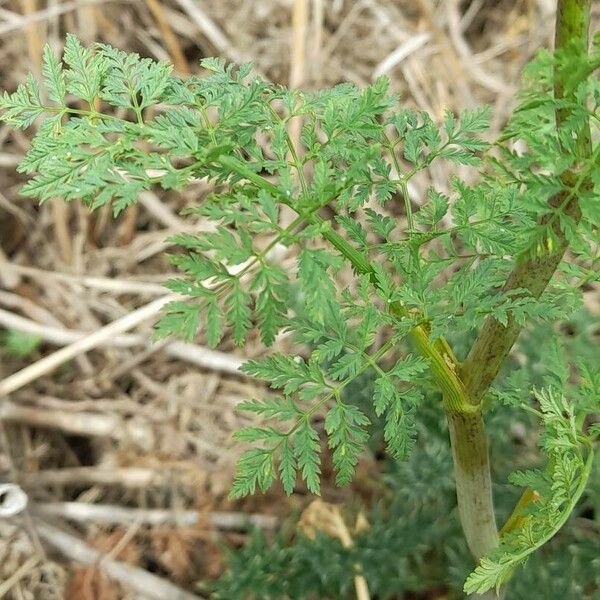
473,482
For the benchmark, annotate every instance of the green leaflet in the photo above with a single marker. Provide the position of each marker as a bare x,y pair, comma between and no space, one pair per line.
559,487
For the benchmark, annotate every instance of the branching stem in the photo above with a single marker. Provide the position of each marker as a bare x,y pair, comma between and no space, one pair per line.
492,345
533,274
443,365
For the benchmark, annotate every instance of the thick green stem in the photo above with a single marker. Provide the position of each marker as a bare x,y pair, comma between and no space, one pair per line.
467,433
473,482
495,340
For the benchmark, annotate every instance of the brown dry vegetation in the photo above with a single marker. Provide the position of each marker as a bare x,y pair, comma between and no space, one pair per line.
125,450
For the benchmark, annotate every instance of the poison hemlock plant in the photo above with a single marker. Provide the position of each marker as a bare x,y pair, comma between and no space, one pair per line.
115,124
